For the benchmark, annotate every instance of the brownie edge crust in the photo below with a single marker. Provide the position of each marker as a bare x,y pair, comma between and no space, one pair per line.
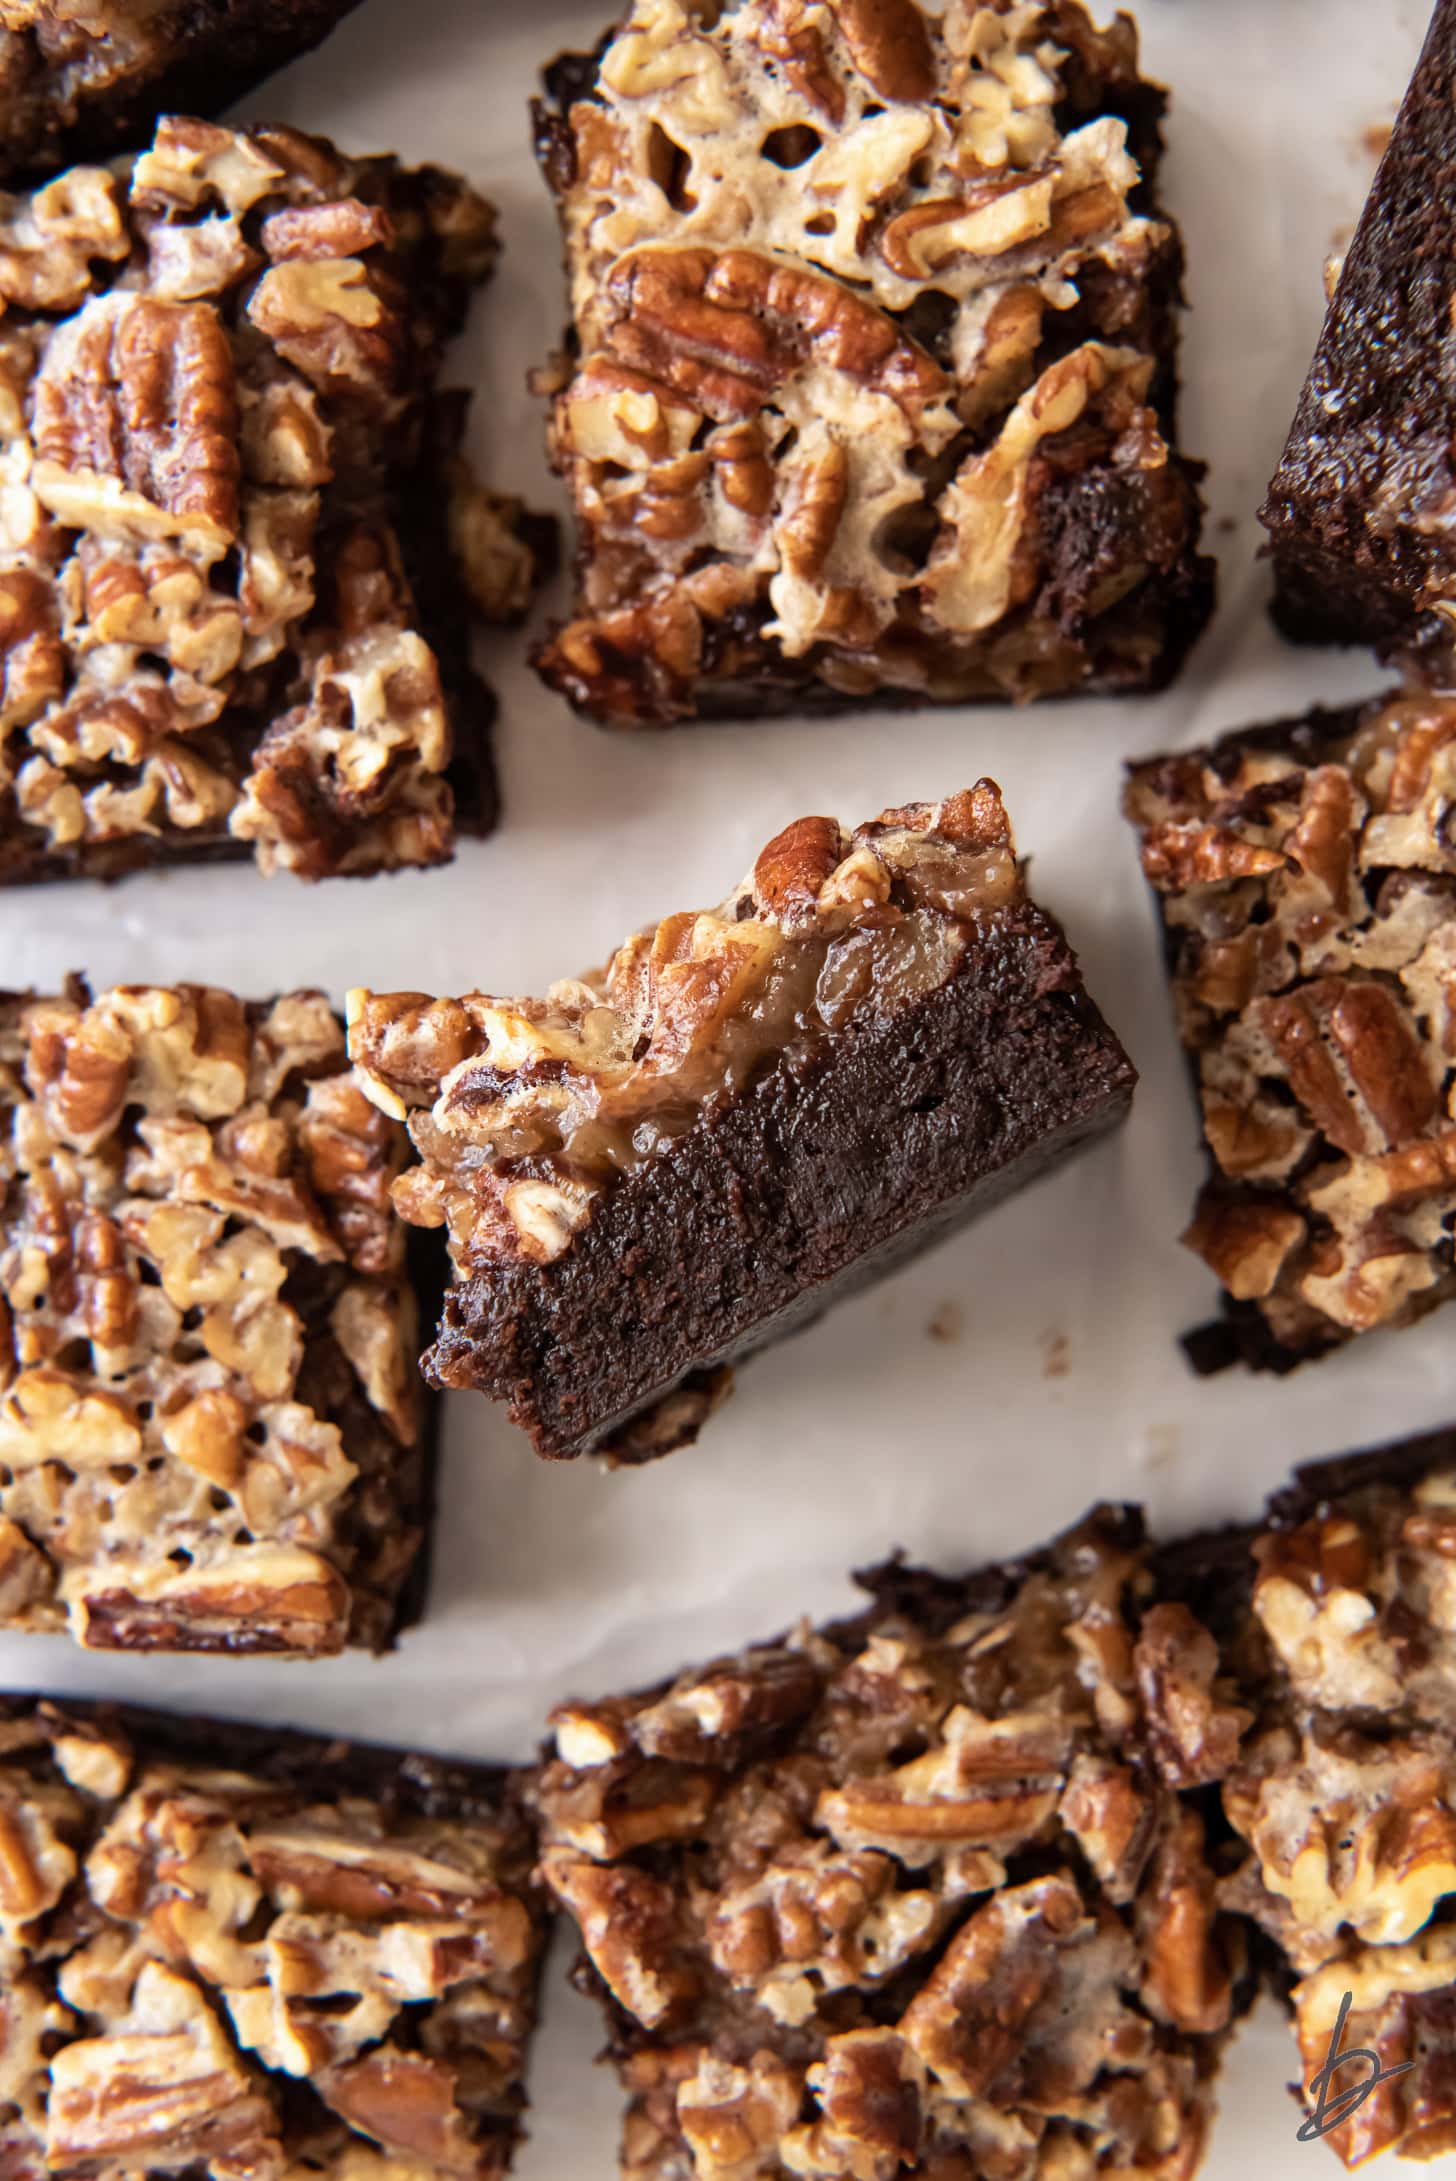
252,1954
1358,510
652,1173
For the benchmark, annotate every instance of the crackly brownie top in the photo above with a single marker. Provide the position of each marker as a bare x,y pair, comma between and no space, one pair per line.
205,1969
818,252
214,364
917,1892
1308,885
525,1111
208,1400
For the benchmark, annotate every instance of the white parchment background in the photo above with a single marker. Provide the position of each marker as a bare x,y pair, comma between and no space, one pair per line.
1062,1381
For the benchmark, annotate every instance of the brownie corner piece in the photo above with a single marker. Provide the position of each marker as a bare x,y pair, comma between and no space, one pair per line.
230,624
1307,889
654,1170
930,1892
212,1433
869,391
85,82
253,1953
1358,508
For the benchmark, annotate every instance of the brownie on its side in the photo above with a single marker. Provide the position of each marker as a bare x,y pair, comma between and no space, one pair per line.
927,1893
1307,887
80,79
218,430
212,1436
868,394
657,1169
1359,509
252,1954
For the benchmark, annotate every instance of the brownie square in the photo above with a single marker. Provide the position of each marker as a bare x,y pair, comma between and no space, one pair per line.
868,393
1359,508
654,1170
251,1954
1343,1798
224,453
926,1893
212,1436
82,81
1307,888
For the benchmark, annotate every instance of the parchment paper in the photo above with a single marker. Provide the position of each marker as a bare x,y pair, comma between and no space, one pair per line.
982,1397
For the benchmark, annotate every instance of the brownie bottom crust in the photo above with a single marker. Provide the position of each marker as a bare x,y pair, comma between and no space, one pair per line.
804,1187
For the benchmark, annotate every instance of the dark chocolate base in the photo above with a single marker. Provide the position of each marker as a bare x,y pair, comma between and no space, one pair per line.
1370,450
798,1191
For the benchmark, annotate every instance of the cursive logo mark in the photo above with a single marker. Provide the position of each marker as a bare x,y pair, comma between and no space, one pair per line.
1332,2111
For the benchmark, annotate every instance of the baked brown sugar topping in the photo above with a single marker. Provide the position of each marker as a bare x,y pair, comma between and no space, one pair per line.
525,1111
870,383
255,1973
217,367
211,1428
925,1893
1308,889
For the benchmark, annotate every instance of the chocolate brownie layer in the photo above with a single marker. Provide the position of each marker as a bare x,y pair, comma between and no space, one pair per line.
81,79
1308,896
869,390
211,1430
929,1892
748,1113
1358,508
237,1951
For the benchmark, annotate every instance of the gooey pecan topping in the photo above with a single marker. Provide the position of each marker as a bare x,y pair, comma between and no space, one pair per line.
210,1429
326,1965
217,387
1308,889
924,1893
864,332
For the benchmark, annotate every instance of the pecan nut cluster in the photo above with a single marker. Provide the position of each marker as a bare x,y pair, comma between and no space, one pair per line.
212,1435
1308,890
870,380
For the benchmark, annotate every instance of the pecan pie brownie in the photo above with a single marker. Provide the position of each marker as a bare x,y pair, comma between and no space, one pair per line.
869,389
81,78
220,437
656,1169
1343,1796
212,1436
1307,886
256,1954
925,1893
1359,509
